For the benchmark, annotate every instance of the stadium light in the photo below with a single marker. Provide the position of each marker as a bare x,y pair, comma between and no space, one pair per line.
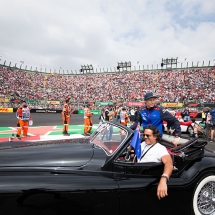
124,65
169,61
86,68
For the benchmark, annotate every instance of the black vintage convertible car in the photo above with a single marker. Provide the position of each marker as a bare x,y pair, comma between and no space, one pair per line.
96,175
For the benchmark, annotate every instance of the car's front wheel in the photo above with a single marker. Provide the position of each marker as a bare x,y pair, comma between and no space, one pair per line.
204,196
190,130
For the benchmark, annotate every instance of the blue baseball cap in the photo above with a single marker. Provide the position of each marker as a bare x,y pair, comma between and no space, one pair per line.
149,95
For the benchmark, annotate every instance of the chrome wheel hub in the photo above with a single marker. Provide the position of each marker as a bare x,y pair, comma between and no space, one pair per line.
206,199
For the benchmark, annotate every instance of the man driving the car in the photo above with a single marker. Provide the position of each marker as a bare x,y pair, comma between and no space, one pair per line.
153,151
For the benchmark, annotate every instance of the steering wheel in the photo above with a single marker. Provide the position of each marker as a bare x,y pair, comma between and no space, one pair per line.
128,154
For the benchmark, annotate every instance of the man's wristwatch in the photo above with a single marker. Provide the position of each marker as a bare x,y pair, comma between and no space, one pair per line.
165,176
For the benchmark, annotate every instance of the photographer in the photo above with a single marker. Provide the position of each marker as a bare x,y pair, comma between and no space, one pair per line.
205,113
117,113
109,115
186,114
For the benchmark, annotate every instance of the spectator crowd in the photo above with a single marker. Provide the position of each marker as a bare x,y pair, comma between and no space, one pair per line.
178,85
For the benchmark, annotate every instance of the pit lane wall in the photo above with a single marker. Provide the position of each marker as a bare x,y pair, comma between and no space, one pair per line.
6,110
80,112
195,109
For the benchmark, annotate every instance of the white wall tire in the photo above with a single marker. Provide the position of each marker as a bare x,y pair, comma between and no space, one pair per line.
190,130
204,197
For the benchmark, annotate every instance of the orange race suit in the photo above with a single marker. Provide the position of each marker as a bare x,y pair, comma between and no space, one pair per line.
66,114
23,115
88,123
123,118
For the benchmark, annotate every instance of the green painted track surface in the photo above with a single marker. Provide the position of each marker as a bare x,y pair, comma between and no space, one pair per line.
5,129
73,129
57,130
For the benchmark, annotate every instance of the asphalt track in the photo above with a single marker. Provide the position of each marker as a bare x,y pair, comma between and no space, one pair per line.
44,119
46,126
54,119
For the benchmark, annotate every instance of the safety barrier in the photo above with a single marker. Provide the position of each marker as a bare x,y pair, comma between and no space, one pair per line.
6,110
80,112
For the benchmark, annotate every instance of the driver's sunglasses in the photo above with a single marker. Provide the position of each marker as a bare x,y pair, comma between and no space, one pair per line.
147,135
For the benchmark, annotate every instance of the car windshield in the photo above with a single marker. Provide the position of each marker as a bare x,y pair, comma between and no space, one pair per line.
108,137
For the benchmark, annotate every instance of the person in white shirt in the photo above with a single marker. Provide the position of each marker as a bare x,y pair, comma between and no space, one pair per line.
152,151
132,116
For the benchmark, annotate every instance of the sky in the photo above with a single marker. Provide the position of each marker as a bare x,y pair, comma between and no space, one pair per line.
53,35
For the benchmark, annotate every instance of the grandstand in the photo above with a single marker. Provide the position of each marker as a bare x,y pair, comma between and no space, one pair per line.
48,90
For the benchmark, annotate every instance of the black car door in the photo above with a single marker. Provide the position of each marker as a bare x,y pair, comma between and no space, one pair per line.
138,190
58,192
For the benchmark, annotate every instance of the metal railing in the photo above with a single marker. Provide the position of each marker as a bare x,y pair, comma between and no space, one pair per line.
134,68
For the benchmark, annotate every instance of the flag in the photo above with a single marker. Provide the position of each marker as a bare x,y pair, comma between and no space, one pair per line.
185,59
137,62
135,142
22,62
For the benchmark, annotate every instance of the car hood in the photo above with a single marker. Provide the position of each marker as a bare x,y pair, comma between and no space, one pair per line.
47,155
